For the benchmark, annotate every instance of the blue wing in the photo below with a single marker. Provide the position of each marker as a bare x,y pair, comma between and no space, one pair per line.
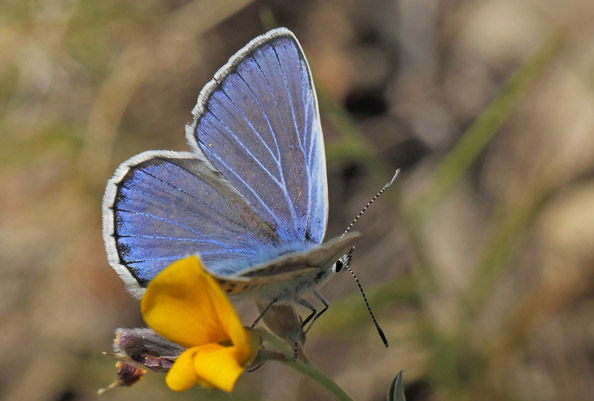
257,121
161,206
259,193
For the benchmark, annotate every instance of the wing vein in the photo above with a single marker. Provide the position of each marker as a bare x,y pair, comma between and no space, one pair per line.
176,257
213,154
155,217
245,148
235,223
285,192
261,107
301,140
196,240
201,201
247,120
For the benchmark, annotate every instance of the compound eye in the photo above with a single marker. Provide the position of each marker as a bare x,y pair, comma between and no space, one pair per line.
338,266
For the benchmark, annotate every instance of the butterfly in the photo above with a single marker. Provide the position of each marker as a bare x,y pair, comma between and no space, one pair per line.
250,197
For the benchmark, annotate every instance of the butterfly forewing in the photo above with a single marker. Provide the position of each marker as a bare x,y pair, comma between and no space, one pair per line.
258,123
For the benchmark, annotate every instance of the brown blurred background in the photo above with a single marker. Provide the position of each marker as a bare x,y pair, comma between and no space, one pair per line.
479,262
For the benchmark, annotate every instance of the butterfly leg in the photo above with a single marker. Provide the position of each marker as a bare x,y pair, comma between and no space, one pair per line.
274,300
313,313
326,306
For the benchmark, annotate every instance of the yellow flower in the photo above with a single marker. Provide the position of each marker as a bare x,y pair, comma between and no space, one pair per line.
186,305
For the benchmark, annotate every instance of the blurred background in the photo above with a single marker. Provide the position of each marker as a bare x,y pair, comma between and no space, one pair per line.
479,262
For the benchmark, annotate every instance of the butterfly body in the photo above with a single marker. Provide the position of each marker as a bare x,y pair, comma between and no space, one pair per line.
290,275
251,195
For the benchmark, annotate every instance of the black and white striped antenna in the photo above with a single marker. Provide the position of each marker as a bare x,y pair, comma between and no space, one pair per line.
350,253
381,191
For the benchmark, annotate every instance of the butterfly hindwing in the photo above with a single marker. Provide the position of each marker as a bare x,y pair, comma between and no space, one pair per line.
162,206
287,269
321,257
257,121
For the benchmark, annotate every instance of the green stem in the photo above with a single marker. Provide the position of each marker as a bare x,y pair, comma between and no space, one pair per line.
304,366
310,370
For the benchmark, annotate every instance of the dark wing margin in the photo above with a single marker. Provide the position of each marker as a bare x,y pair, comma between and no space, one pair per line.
161,206
258,123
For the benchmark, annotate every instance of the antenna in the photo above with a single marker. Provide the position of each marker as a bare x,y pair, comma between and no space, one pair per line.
377,326
350,255
381,191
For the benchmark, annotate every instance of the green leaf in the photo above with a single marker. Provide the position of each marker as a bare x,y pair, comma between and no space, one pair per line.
396,391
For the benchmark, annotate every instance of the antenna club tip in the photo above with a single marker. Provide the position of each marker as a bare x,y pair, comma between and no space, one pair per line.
396,174
383,336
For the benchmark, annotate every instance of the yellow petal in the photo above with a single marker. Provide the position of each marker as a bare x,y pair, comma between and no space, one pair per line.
217,366
185,304
182,376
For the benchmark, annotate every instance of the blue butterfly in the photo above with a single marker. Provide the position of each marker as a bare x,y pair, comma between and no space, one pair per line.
251,197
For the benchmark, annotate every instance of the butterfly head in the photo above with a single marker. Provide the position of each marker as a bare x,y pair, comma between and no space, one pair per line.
344,262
